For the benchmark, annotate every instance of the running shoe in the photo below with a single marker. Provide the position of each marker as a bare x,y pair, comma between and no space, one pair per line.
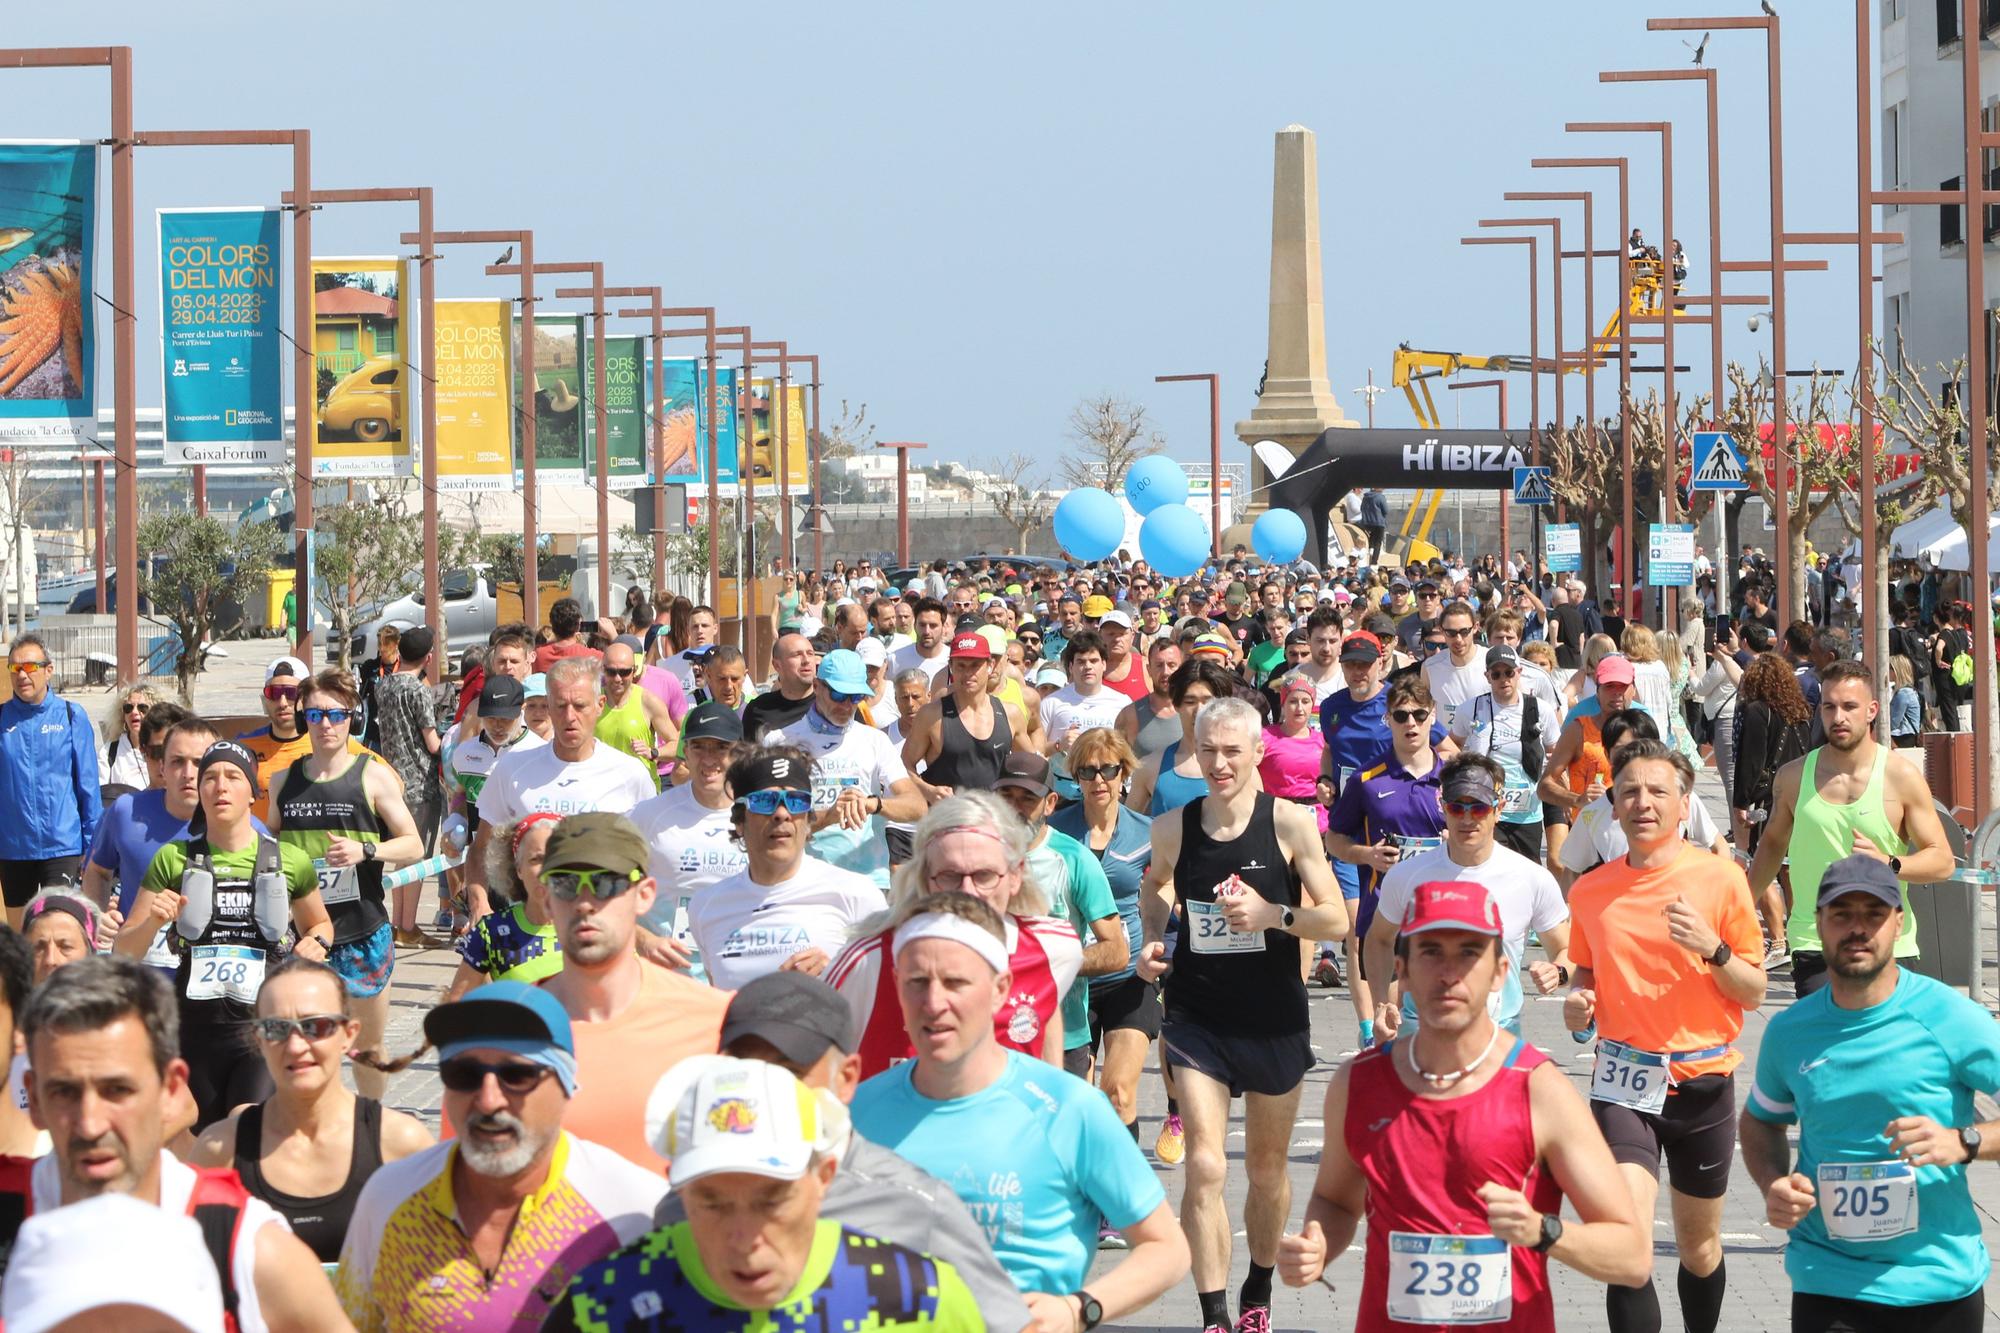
1254,1319
1109,1239
1775,955
1216,1328
1171,1146
1326,972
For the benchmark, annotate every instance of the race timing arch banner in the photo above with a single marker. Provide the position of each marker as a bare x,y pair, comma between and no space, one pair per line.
48,319
221,356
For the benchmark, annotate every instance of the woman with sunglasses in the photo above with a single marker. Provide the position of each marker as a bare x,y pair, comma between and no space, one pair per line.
517,942
309,1147
1124,1008
347,813
122,761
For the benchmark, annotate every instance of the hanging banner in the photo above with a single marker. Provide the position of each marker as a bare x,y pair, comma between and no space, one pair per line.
562,402
765,432
798,449
475,402
48,250
686,450
624,410
1563,543
361,376
222,357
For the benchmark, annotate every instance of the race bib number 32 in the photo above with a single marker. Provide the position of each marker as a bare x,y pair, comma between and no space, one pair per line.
1209,932
1450,1279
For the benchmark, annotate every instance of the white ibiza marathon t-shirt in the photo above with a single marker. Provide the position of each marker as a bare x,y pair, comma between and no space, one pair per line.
745,929
535,782
692,848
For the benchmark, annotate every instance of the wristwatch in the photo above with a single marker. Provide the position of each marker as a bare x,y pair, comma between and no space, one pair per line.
1552,1231
1968,1139
1286,917
1896,865
1089,1310
1562,974
367,851
1721,956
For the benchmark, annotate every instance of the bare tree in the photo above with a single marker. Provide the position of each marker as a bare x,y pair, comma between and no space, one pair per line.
18,493
1112,434
1816,465
1023,500
849,434
368,551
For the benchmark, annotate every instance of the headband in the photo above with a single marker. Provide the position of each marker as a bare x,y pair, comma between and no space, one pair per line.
765,770
521,830
230,752
82,912
942,926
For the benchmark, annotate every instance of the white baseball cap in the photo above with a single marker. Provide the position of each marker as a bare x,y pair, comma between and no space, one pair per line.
740,1116
57,1270
292,666
871,651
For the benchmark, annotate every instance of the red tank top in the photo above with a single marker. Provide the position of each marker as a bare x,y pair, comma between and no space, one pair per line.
1020,1024
1462,1143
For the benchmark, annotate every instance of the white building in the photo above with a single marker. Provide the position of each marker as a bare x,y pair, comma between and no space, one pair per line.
1920,145
871,478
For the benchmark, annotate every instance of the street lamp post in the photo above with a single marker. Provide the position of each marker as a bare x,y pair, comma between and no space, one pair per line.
531,572
1534,331
902,448
427,372
1214,451
657,313
1505,536
117,61
781,439
707,332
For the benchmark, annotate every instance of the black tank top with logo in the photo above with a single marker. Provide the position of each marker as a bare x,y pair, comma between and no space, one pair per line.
965,762
1221,981
312,812
322,1222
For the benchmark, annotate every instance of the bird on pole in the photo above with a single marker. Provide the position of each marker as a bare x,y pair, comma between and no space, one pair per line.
1767,8
1700,48
506,257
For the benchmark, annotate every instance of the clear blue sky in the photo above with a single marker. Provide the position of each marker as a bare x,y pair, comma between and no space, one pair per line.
979,215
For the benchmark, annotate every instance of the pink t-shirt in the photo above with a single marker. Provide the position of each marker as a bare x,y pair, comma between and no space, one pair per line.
663,685
1290,768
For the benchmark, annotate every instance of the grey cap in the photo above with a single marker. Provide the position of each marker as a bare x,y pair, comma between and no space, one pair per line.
1860,874
798,1014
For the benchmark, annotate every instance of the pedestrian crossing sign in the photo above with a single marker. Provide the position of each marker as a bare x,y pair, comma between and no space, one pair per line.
1531,486
1717,464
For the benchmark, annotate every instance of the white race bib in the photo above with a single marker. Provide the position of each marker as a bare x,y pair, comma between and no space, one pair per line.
1868,1200
160,953
1518,800
337,884
1450,1279
1209,932
1407,847
225,972
1627,1076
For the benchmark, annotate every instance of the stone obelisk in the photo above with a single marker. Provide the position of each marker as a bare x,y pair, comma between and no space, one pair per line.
1296,405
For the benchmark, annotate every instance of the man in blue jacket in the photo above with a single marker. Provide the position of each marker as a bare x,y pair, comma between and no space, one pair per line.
48,781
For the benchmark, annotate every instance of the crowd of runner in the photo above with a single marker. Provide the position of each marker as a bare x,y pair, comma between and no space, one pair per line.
818,991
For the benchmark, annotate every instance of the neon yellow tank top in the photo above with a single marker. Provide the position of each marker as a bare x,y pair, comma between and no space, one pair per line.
627,729
1822,833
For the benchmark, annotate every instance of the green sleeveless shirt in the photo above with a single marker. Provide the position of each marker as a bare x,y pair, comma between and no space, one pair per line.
1823,833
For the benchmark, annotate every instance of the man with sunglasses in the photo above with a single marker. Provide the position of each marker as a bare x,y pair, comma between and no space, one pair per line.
1458,674
784,910
633,1020
1523,891
634,720
484,1230
1518,729
282,739
858,777
233,896
50,794
1428,608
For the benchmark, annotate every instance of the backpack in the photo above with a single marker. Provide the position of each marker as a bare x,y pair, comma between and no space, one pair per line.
271,897
1961,659
1531,730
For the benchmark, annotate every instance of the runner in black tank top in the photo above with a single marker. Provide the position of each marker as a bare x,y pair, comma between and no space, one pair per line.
1236,985
965,762
322,1222
311,813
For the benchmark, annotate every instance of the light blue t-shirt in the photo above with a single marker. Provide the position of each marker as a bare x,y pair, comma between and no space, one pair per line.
1068,1162
1843,1074
1124,860
1078,893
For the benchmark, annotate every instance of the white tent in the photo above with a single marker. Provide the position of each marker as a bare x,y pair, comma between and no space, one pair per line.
1936,539
564,510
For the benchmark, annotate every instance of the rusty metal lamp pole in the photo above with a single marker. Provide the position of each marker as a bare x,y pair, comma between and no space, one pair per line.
531,586
427,372
599,416
1501,385
304,384
1534,331
117,60
902,448
93,491
1589,360
657,467
739,337
815,510
1214,452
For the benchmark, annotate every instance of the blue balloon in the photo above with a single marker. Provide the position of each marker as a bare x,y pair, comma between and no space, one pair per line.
1174,540
1279,536
1089,523
1155,480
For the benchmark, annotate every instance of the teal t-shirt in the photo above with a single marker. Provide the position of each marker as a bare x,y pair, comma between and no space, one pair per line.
1843,1074
1079,893
1068,1162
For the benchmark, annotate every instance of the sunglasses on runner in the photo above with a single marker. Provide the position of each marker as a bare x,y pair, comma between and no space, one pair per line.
1409,714
315,716
1465,633
314,1027
603,885
1095,772
767,801
27,668
1501,673
137,707
465,1074
1464,809
619,673
275,692
842,697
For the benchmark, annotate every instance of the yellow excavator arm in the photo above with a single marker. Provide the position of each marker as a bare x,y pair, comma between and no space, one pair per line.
1411,370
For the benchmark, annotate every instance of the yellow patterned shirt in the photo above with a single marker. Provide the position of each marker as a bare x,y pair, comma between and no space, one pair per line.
408,1267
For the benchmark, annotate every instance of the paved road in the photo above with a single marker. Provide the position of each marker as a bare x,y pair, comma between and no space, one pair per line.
1759,1296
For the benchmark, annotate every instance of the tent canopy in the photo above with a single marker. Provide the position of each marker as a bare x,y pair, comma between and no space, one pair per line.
1935,538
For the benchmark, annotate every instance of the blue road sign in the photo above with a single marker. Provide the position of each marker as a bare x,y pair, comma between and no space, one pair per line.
1717,464
1532,487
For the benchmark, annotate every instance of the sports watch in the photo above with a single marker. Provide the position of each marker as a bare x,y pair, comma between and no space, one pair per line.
1968,1139
1720,958
1089,1311
1552,1231
1286,917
